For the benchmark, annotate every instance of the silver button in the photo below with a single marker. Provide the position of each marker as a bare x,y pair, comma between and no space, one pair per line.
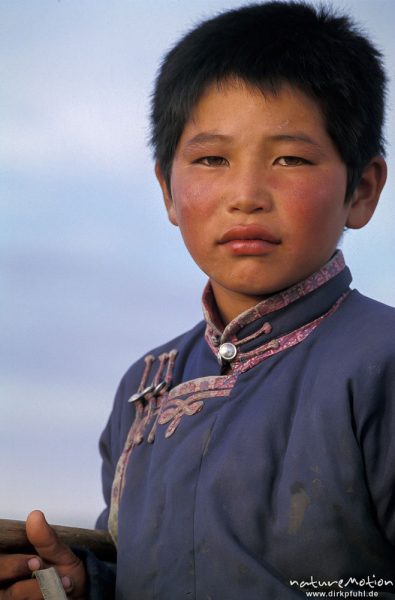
141,395
227,351
161,386
153,390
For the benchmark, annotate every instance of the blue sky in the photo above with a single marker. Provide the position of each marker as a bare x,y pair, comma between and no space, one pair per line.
92,275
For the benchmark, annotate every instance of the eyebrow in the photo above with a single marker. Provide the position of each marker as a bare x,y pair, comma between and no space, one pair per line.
297,137
208,137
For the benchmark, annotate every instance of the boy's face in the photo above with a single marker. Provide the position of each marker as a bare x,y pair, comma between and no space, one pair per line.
258,191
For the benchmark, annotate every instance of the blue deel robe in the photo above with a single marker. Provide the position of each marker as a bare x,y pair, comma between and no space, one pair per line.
270,474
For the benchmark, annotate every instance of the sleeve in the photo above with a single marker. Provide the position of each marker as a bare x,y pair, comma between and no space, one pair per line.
102,575
113,438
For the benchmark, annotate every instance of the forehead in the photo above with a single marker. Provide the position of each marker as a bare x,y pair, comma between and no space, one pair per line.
235,104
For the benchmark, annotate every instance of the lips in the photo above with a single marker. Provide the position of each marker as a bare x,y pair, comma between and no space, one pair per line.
249,232
249,240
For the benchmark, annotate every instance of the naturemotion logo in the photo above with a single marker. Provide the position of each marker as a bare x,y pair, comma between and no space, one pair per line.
352,587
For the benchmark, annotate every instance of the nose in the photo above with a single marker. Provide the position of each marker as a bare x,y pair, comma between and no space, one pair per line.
250,190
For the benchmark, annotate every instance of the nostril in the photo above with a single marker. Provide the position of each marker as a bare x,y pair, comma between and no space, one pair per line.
250,202
247,209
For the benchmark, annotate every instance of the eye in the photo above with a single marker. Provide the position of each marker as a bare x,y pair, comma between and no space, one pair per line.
212,161
291,161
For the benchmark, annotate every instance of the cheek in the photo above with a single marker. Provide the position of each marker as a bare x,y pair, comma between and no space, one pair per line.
317,201
194,203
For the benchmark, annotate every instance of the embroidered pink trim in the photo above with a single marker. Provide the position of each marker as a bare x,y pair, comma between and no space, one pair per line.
253,358
265,329
202,384
187,398
175,409
144,411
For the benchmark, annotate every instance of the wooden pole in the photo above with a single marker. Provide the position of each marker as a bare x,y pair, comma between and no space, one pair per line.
13,539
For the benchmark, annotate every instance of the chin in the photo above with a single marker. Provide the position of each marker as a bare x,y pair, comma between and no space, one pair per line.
260,293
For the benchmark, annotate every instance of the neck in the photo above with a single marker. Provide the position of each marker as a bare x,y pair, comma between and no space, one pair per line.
231,304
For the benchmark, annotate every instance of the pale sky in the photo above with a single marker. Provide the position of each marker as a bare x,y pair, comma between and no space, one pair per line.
92,274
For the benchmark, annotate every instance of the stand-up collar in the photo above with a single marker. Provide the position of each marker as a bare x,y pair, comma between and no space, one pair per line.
281,313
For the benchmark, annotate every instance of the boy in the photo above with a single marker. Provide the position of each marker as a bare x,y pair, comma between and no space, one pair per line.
252,457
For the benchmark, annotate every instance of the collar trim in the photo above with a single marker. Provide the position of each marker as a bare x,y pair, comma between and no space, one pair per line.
216,334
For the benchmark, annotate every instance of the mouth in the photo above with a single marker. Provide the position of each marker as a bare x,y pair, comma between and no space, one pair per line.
251,240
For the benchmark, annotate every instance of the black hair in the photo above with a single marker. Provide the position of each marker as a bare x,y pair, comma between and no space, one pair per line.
322,53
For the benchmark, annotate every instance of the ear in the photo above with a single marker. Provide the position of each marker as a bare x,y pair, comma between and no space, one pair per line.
171,213
366,195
